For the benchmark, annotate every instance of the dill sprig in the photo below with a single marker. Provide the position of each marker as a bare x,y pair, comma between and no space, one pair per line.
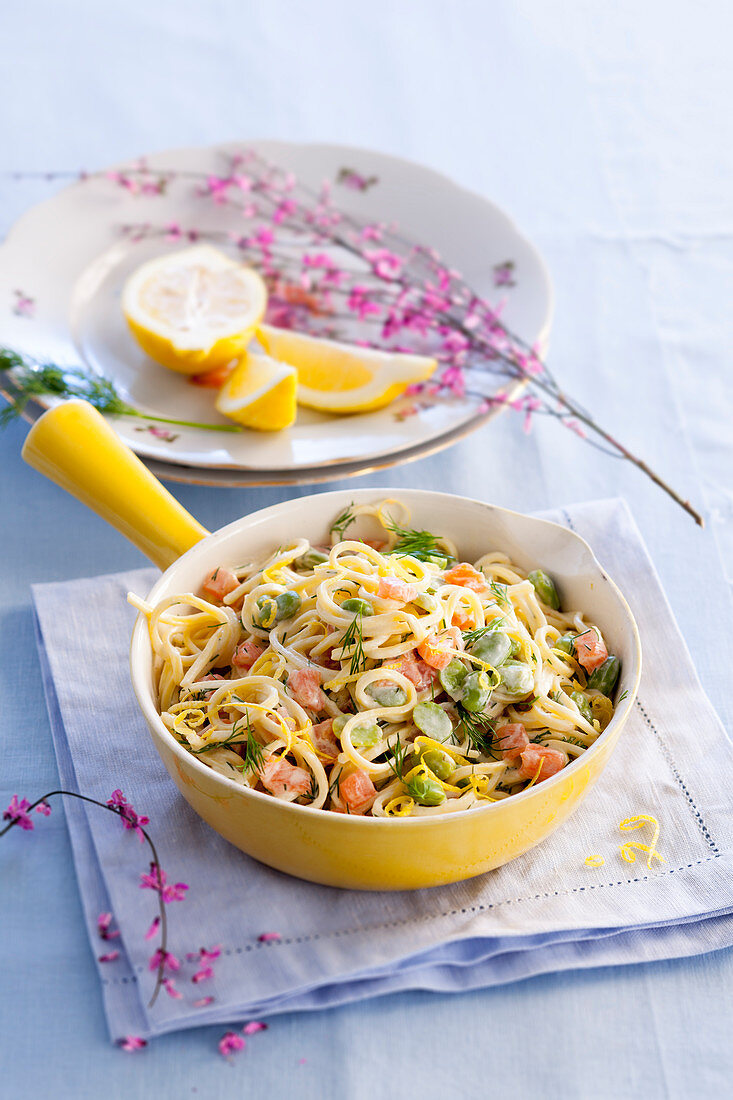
472,636
478,729
335,784
254,754
500,593
418,544
339,525
398,752
312,792
30,379
353,639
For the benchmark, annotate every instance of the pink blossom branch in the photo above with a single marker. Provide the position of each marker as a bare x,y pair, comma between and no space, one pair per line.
119,811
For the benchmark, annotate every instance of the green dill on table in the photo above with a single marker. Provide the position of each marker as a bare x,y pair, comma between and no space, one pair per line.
31,379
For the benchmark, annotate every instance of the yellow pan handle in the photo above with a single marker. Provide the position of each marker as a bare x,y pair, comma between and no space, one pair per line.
73,445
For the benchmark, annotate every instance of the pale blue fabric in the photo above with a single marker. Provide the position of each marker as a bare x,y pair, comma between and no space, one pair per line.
542,911
606,132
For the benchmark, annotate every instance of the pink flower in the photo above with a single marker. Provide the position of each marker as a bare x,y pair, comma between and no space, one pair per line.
347,177
153,930
43,808
103,922
231,1042
157,882
109,957
212,953
203,974
283,211
170,987
173,231
130,819
371,233
504,274
17,813
24,306
253,1026
217,188
385,264
202,1002
358,302
264,236
131,1043
168,960
269,937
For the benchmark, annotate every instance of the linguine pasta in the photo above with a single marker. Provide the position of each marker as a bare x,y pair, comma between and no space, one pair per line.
383,677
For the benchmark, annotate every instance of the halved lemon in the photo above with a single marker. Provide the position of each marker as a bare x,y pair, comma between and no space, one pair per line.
260,394
344,378
193,310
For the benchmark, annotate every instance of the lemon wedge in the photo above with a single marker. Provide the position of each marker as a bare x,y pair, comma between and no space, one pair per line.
260,394
344,378
193,310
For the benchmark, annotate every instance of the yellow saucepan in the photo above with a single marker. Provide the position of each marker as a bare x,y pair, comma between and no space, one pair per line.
74,446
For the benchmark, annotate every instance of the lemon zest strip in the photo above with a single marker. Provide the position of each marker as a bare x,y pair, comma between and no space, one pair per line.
627,851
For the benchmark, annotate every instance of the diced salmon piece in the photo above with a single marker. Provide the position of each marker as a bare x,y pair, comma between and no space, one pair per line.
435,649
281,777
590,650
357,791
552,761
324,739
304,684
376,544
246,654
416,671
463,618
391,588
207,679
213,379
466,576
286,717
433,654
512,740
219,583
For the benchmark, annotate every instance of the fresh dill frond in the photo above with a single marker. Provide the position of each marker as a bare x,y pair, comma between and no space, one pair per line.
478,729
398,752
340,524
335,784
32,379
500,592
418,544
472,636
312,792
548,735
235,737
353,639
622,697
254,754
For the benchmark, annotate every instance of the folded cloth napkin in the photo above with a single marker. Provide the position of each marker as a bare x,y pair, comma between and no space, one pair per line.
545,911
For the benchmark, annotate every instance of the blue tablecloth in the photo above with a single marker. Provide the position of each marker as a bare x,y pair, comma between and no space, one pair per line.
606,133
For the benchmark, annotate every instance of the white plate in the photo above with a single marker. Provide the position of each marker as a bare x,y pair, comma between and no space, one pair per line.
63,265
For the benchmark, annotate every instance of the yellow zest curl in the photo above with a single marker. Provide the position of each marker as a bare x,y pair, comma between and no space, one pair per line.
627,850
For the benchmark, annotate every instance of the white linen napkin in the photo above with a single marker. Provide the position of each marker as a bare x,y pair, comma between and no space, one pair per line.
545,911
